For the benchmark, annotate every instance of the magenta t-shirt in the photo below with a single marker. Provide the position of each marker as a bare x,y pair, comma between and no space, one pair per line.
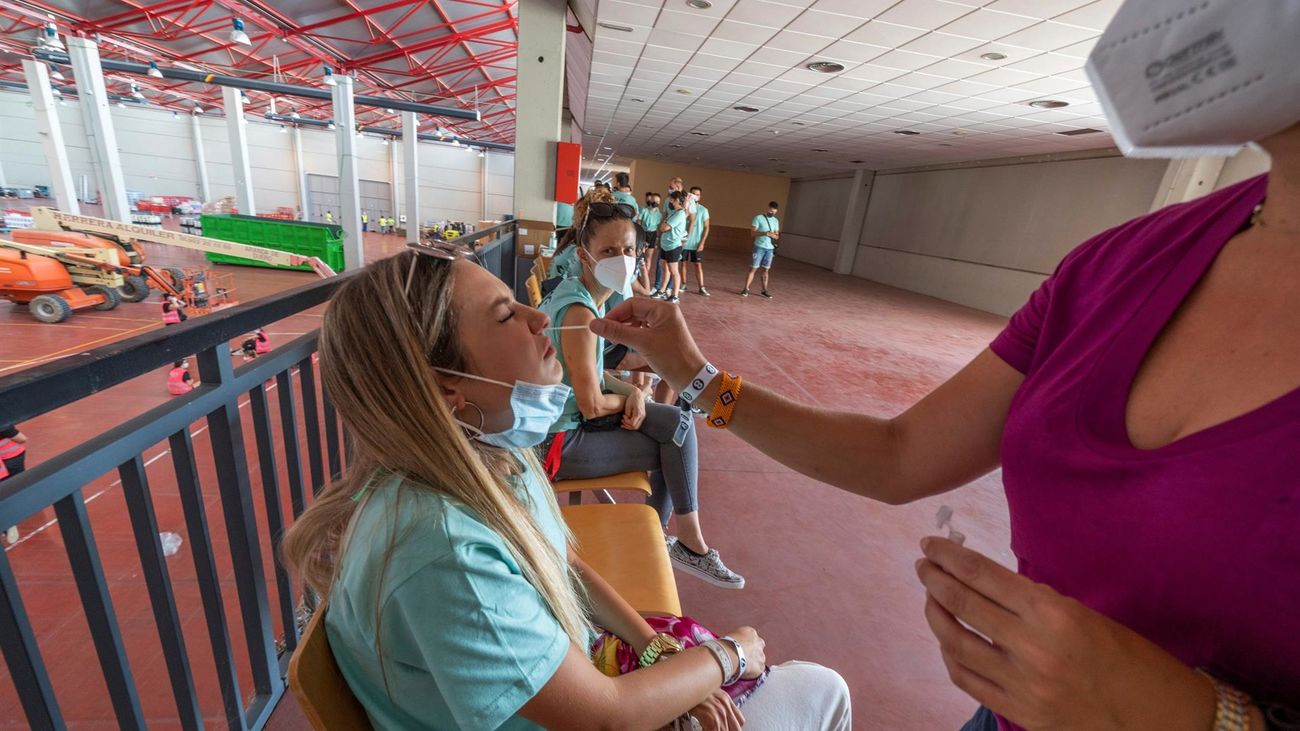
1195,545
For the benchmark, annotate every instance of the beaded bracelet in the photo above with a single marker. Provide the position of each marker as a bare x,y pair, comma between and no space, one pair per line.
1231,707
725,405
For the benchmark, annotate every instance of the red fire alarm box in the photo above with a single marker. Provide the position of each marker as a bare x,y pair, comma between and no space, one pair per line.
568,158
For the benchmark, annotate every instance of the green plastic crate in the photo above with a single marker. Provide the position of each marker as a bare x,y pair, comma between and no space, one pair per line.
323,240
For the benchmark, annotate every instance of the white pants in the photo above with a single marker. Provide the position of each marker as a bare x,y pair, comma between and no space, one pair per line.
799,696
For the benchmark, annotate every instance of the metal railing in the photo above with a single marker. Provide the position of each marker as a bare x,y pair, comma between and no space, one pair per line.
242,481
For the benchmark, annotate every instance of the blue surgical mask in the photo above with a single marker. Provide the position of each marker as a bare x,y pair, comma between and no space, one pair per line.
535,407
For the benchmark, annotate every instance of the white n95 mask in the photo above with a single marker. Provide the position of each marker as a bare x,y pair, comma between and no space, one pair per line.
1189,78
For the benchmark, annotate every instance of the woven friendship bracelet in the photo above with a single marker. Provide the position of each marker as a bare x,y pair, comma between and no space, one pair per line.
725,405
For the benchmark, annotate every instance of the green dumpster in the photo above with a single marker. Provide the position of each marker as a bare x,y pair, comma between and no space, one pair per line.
322,240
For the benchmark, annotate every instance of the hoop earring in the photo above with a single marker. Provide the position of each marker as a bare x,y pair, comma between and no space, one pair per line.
481,418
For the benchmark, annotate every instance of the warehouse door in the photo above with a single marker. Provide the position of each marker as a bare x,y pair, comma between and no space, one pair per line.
323,195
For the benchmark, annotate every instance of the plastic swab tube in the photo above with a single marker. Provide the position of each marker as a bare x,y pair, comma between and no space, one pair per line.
943,519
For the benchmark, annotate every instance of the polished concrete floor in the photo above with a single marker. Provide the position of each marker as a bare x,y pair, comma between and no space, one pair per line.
829,575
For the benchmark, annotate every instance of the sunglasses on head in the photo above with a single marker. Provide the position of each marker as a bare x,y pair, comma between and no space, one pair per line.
438,249
608,210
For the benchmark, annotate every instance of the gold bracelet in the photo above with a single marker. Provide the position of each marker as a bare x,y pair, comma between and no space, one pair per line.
725,405
1231,706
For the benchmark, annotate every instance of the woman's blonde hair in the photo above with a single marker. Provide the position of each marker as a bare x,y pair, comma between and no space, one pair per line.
401,424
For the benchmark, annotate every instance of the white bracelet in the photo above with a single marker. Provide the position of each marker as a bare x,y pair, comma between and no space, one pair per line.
720,654
700,382
740,655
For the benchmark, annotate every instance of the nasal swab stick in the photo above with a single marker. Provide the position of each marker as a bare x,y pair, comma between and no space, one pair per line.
568,327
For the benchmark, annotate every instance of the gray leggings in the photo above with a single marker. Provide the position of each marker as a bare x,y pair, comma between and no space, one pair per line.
673,469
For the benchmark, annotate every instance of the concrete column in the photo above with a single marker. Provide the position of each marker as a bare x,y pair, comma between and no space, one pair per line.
483,183
51,133
345,121
237,127
411,170
1188,178
200,160
855,215
394,196
92,98
300,174
540,90
4,182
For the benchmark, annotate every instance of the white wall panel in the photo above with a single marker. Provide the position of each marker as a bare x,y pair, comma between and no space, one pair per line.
158,159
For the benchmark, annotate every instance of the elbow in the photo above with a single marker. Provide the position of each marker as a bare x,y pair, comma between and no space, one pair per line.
894,488
589,408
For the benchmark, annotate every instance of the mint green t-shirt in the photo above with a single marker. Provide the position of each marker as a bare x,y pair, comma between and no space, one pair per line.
650,219
467,641
564,264
697,233
675,236
765,223
563,215
628,198
571,292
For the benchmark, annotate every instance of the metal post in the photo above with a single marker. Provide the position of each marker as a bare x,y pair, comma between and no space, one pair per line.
345,119
394,199
200,160
238,130
411,168
92,96
855,215
51,133
300,171
540,98
483,184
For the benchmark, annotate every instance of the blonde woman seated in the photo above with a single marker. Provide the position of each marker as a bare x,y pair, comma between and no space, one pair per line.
453,599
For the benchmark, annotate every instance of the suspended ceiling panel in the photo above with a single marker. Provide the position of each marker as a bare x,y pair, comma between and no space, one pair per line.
922,83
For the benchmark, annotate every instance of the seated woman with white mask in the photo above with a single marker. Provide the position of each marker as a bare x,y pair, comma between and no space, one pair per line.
609,426
452,597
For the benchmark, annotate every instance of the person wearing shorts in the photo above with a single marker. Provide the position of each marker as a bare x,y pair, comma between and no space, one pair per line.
649,218
672,234
766,231
695,240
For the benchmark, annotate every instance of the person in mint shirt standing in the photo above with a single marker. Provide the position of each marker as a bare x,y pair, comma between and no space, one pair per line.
766,231
672,235
648,219
695,241
623,191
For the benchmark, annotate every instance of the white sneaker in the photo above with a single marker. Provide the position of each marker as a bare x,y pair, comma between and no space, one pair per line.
708,567
669,542
11,535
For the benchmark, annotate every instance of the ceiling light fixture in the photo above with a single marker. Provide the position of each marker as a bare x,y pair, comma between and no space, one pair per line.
329,77
1080,131
674,145
699,4
136,93
825,67
820,149
50,38
615,26
743,108
858,162
237,34
1048,103
906,132
55,73
700,134
683,91
154,71
638,101
993,56
798,124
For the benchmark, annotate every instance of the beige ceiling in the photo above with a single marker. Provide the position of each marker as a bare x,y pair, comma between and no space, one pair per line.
910,65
